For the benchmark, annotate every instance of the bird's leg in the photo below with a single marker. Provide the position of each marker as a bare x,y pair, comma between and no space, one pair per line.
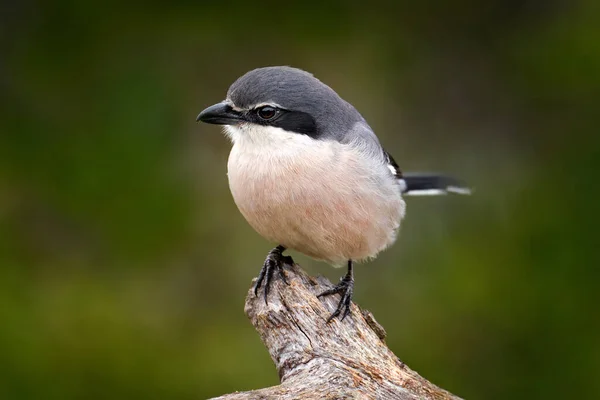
345,287
275,260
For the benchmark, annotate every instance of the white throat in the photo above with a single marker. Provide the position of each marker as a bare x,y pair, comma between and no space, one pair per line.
257,138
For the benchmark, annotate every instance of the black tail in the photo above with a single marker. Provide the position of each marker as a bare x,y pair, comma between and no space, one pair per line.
430,185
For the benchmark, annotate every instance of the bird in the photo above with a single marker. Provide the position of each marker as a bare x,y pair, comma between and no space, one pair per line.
308,173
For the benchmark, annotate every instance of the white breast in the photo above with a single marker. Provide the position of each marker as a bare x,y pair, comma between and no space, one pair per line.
322,198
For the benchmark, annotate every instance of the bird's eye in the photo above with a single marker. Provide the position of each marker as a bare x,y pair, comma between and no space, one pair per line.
267,112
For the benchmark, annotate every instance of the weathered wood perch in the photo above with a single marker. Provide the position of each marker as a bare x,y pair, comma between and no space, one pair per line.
315,360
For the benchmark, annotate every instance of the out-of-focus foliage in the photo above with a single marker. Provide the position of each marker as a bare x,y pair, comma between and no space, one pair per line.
123,260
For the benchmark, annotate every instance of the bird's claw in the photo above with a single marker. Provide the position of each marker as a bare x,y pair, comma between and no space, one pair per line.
346,288
274,261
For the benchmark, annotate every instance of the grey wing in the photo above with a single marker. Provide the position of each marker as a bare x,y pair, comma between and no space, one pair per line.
362,136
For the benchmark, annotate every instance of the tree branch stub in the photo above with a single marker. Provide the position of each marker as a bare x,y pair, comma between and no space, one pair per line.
317,360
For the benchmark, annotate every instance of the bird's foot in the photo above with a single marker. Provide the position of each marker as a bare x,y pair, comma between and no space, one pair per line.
345,287
275,260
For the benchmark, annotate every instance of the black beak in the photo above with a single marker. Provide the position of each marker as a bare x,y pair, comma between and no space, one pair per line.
220,114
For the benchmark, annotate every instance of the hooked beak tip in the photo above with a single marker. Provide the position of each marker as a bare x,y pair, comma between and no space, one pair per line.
219,114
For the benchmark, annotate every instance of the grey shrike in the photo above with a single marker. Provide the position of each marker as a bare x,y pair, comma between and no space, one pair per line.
308,173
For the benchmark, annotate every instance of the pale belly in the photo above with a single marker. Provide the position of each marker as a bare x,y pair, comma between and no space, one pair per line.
324,202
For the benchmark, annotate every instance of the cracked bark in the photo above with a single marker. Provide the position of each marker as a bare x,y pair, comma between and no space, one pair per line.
315,360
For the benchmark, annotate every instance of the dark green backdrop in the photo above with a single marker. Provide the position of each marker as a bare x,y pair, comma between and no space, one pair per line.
123,260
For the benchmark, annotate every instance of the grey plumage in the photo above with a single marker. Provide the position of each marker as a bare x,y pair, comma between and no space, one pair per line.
296,90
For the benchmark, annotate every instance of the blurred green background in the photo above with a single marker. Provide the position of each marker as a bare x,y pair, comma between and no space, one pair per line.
124,262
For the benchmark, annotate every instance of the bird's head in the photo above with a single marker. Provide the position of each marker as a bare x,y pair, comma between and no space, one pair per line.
281,98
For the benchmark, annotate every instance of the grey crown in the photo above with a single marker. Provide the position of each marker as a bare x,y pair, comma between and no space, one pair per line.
297,90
